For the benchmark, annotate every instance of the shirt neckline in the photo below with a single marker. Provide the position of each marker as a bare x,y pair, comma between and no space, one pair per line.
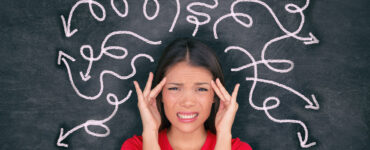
205,144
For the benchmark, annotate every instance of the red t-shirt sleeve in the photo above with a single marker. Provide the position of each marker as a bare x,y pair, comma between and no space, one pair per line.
236,144
134,143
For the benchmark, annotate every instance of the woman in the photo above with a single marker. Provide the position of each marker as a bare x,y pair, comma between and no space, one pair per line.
183,112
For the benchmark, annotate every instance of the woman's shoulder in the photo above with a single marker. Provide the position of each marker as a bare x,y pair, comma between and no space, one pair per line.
133,143
237,144
136,142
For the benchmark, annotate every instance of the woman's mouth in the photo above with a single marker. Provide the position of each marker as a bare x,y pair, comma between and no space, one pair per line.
187,116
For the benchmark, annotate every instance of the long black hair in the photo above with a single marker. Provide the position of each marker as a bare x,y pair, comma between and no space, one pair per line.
197,54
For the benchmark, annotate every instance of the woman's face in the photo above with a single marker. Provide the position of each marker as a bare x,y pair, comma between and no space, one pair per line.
187,96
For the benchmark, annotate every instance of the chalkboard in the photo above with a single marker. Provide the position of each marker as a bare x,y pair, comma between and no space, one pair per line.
67,68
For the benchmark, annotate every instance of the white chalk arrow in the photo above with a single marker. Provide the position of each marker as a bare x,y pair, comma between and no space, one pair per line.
303,142
312,40
62,136
67,25
100,123
85,77
62,56
310,104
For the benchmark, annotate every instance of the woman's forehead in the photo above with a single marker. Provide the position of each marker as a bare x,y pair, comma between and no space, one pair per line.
183,72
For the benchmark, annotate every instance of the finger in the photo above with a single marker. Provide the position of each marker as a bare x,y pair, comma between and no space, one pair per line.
138,91
148,85
223,90
154,93
218,92
235,92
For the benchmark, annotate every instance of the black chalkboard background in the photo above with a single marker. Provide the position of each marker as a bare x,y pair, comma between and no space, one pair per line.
37,98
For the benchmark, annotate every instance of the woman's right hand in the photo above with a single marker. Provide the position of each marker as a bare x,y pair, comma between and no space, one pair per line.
150,116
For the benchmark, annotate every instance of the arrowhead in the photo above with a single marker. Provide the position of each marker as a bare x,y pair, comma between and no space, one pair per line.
64,55
84,77
67,28
313,40
61,138
304,143
315,105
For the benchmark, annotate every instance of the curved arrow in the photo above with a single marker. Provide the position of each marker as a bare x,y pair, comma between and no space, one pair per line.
291,8
100,123
310,105
67,26
288,8
303,143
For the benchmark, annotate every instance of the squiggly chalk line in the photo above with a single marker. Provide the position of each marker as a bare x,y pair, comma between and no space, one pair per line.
157,7
194,20
67,27
101,76
177,15
105,50
117,11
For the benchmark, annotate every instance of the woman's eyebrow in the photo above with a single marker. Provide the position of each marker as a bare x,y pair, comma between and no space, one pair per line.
201,83
197,83
175,83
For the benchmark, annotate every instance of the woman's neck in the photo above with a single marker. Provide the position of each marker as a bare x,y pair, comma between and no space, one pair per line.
186,140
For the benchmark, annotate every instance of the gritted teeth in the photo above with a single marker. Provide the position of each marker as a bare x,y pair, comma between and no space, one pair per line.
187,115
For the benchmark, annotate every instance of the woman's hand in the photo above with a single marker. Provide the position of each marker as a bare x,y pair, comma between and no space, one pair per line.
150,116
228,107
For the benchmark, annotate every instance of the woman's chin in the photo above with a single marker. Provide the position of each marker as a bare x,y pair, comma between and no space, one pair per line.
187,127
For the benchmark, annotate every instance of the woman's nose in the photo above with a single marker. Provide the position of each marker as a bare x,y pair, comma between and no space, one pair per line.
188,99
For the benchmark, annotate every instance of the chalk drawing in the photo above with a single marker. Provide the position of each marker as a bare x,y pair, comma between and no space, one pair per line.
99,123
105,51
86,52
157,7
108,72
194,20
117,11
289,8
310,104
177,15
311,39
67,26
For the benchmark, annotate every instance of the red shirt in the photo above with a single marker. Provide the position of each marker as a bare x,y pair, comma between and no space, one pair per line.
136,142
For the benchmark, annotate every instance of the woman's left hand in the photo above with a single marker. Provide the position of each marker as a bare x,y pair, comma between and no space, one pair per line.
228,107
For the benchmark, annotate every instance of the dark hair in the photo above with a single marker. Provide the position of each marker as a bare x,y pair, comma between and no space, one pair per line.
197,54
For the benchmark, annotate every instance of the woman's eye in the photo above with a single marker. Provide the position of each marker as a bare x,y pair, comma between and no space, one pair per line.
173,88
202,89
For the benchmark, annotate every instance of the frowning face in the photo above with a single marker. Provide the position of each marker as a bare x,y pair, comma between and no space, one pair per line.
187,96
